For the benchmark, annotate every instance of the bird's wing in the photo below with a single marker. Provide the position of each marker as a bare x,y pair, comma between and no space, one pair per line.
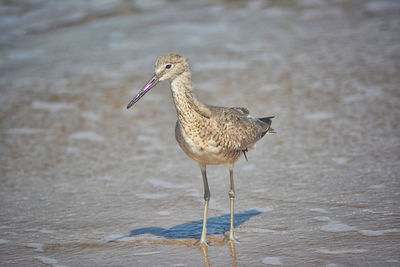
237,128
243,111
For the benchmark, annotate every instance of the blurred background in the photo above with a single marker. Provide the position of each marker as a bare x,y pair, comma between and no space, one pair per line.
79,170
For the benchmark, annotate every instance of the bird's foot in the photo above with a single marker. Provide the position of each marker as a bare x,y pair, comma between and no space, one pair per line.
201,243
231,239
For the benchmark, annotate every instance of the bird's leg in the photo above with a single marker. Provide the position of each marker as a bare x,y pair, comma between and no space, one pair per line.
232,199
203,239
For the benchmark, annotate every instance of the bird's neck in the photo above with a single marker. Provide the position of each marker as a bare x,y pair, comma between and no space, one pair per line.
188,108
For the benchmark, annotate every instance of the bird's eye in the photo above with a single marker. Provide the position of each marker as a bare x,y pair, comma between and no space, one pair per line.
168,66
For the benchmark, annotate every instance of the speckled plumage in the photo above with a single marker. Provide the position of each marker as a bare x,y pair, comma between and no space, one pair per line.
209,135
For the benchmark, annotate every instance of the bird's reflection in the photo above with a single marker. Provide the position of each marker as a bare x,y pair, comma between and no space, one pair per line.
204,250
233,253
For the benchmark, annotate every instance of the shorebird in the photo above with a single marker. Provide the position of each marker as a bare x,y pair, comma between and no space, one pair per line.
208,134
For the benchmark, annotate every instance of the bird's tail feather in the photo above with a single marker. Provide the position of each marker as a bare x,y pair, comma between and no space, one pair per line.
268,121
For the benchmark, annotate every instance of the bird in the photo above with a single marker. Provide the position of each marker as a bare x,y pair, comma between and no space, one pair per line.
210,135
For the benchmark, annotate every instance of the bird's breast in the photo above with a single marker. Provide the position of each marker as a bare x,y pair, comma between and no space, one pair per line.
199,144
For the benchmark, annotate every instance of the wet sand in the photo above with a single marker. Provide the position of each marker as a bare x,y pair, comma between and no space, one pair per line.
86,182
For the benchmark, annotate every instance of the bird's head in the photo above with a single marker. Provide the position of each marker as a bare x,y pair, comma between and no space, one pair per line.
168,67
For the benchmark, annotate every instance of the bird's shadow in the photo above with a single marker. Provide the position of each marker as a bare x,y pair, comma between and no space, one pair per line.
215,226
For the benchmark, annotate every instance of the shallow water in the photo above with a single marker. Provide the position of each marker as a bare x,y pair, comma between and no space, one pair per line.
86,182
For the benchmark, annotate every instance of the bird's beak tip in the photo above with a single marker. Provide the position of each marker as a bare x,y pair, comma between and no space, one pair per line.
150,84
130,104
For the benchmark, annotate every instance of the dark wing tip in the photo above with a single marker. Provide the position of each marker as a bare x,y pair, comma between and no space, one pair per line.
244,153
267,120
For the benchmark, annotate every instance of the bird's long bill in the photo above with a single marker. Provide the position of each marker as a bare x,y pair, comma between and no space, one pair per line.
150,84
